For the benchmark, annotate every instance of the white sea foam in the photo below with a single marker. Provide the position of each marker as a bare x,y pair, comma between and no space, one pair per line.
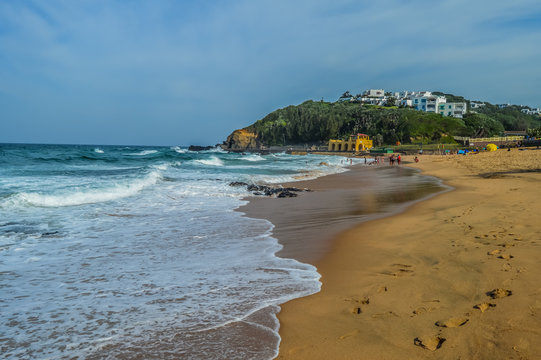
215,150
179,150
98,150
161,167
212,161
90,196
144,152
254,157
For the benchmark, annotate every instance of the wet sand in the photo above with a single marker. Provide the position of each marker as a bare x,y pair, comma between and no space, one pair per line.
455,276
307,224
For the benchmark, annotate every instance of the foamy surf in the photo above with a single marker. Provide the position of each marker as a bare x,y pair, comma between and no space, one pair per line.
254,157
212,161
144,153
89,196
179,150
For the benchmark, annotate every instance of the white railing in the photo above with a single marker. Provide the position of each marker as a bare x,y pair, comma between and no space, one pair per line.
497,138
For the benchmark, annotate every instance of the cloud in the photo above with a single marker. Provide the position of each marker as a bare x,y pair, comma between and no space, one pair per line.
176,70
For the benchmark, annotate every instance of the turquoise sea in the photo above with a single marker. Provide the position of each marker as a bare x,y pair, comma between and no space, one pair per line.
137,252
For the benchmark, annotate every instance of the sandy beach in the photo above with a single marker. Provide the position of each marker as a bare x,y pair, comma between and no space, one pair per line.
456,276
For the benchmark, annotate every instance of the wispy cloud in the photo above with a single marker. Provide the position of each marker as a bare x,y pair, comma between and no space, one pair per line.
179,72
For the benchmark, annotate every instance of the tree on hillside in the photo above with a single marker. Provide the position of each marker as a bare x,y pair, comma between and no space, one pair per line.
346,95
534,132
391,101
481,125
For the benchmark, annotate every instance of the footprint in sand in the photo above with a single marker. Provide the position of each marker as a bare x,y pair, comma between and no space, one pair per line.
494,252
505,256
399,270
420,310
484,306
386,314
452,322
363,301
357,310
499,293
431,343
432,305
349,334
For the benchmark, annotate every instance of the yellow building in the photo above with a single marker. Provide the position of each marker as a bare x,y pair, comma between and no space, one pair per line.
355,143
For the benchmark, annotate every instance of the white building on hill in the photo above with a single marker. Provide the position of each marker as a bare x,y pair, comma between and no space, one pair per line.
457,110
419,100
531,111
427,102
476,104
374,93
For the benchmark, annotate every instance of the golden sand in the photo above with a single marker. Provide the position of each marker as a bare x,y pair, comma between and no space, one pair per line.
457,276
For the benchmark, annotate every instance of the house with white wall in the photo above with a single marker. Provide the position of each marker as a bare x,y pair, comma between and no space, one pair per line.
531,111
457,110
476,104
375,93
427,102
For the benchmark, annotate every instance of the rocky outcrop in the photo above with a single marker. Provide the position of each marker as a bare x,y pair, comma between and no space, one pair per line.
279,191
242,140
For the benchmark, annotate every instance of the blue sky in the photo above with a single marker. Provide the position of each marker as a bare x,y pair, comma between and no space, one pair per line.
189,72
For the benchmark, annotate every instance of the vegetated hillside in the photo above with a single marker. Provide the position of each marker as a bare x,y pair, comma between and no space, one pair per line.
317,122
510,117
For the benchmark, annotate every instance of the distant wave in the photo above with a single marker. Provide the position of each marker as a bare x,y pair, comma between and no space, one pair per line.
254,157
179,150
91,196
213,161
98,150
144,152
215,150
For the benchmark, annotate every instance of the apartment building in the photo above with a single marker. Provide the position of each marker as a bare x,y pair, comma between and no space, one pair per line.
457,110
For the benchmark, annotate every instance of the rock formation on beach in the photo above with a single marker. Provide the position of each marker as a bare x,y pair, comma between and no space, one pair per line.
242,140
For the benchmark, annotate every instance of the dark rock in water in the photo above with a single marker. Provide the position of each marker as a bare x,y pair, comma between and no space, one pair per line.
266,190
50,234
200,148
291,189
238,183
253,187
286,193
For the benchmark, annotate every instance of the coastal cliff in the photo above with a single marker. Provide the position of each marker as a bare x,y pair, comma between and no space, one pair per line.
242,140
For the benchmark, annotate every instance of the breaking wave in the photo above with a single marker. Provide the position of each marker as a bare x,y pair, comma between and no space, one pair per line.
90,196
212,161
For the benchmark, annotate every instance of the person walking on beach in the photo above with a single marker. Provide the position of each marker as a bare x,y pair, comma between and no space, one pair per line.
398,159
391,160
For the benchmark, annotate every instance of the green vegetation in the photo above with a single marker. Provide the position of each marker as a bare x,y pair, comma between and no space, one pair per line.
510,117
318,121
534,132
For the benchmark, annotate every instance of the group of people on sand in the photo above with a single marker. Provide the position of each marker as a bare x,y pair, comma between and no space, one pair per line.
392,159
381,160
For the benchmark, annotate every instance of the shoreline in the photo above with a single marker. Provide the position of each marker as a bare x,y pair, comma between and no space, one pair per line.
387,282
336,203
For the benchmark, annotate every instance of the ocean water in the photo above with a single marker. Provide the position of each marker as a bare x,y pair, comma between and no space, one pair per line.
137,253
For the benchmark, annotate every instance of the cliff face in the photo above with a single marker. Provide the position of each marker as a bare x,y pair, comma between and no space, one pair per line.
241,140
